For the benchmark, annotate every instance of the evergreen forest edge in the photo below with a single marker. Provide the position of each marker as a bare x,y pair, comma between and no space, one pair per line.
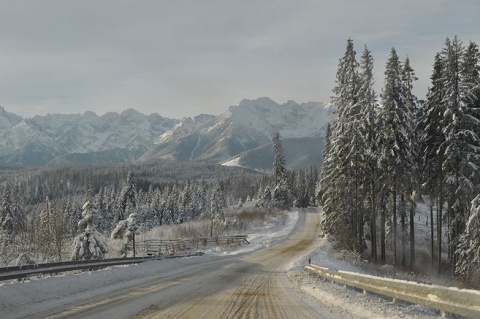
386,152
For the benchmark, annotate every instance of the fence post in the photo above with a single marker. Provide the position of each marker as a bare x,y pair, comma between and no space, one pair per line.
134,244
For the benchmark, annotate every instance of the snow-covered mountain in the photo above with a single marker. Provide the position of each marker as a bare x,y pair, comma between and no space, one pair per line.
8,120
240,136
85,138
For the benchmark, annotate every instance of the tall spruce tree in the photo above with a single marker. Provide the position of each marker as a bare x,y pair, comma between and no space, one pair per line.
367,99
468,249
432,143
217,214
395,140
18,210
281,189
325,187
7,218
461,145
408,77
128,196
345,158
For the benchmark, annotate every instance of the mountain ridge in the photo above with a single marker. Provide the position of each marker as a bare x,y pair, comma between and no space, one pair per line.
131,136
243,127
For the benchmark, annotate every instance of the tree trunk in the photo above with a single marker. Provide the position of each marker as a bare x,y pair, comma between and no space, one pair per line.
402,217
432,243
439,227
133,237
394,198
383,220
412,232
373,223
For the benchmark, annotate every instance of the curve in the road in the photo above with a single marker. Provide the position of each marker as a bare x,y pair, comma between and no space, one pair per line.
249,286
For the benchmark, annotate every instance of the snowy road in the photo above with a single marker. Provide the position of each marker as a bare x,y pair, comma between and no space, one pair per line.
246,286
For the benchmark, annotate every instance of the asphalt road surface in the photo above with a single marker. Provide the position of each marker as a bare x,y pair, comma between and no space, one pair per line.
246,286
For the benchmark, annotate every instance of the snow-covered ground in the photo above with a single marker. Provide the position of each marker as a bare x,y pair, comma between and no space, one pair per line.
352,303
21,297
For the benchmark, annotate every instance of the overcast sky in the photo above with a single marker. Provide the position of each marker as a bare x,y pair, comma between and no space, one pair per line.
182,58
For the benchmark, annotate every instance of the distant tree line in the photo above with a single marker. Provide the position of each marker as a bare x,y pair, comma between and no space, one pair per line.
383,152
44,210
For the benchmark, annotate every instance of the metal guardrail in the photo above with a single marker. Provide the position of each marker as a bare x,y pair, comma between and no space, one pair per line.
25,271
463,302
154,249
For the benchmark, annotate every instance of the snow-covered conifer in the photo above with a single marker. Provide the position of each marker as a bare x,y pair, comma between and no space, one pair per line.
128,195
279,169
462,143
281,191
396,144
367,99
344,165
126,229
411,186
18,209
12,217
89,244
217,212
45,233
431,144
468,248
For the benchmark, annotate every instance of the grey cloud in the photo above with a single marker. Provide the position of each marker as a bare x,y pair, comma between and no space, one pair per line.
180,58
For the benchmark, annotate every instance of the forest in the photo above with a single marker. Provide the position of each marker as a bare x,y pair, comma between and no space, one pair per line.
387,152
68,211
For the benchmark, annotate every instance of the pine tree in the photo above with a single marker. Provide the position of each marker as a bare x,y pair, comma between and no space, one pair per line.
281,189
126,229
19,215
45,234
102,221
128,195
468,248
432,143
471,76
396,142
300,191
462,144
156,209
170,206
342,165
408,77
324,183
12,217
369,106
311,177
59,228
217,214
89,244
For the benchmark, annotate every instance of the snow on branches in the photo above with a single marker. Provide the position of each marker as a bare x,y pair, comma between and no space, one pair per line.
89,244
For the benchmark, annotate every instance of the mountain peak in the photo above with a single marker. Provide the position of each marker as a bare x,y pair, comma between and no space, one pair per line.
244,127
291,119
8,120
131,113
291,103
90,115
262,101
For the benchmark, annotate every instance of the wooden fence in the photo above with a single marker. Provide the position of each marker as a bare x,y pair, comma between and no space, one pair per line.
157,247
